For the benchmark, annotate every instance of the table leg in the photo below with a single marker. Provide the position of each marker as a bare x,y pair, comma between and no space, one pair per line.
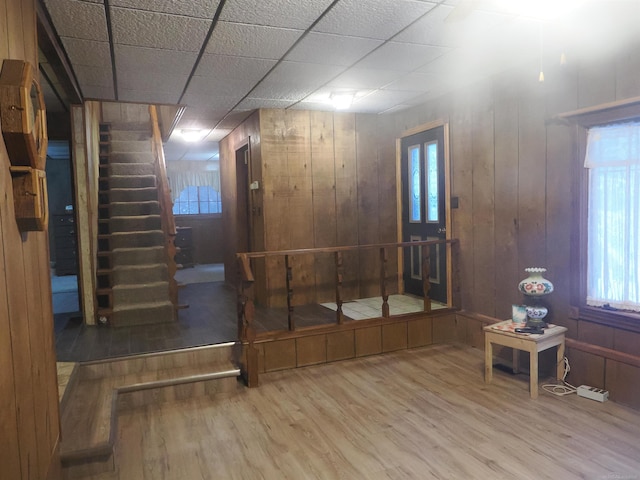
533,373
560,361
516,360
488,359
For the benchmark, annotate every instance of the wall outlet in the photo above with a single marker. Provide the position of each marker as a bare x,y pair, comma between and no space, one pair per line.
593,393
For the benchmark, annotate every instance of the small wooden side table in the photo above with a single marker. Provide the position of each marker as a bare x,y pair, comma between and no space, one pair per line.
502,334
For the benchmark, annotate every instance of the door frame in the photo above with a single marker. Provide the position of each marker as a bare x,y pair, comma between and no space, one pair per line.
447,196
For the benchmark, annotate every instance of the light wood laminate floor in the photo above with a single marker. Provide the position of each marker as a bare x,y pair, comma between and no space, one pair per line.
417,414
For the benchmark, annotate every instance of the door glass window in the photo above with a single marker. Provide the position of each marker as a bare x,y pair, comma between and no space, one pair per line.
431,187
415,195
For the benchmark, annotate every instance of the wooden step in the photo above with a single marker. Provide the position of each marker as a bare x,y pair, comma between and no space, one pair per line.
89,419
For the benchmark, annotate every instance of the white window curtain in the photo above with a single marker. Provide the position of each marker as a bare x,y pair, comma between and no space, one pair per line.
183,174
613,160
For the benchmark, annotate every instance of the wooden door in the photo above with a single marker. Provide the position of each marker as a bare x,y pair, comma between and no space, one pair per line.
424,210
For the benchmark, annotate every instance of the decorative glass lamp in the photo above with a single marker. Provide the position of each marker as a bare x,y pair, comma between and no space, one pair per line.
534,287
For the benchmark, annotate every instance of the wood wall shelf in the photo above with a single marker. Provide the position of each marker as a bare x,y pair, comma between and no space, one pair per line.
30,198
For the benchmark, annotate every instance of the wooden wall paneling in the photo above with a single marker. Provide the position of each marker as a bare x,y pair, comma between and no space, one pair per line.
347,198
300,213
626,342
341,345
208,237
368,341
596,81
29,31
4,32
561,97
505,114
368,203
420,332
586,368
461,187
15,33
324,201
10,452
311,350
623,383
444,329
484,257
394,336
596,334
18,281
280,355
531,175
40,319
627,67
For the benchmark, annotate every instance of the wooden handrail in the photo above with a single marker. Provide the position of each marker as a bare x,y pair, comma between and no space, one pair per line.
302,251
166,205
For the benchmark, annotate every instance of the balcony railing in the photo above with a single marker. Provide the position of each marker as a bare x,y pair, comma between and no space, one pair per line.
247,331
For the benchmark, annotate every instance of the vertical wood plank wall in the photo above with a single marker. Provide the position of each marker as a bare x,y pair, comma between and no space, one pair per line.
512,172
321,185
29,416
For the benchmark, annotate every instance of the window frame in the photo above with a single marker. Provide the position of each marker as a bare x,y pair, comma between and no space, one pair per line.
615,112
199,214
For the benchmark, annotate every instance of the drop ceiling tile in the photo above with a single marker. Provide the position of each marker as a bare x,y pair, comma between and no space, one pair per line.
381,100
435,30
288,92
380,19
192,8
332,49
401,56
94,76
233,69
158,30
73,18
103,93
214,92
255,103
145,96
414,82
275,13
307,74
365,78
161,82
87,52
153,59
251,40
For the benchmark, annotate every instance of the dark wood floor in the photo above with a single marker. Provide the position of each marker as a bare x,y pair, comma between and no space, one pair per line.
210,319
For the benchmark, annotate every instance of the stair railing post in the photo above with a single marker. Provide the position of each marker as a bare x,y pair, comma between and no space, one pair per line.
246,329
426,271
289,284
339,276
383,282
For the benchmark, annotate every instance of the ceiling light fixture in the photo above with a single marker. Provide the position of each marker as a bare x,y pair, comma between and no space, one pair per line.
193,134
342,100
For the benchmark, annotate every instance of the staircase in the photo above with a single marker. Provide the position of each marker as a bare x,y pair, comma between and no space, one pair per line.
133,280
97,391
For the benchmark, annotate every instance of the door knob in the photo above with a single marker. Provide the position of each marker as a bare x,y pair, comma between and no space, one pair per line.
442,230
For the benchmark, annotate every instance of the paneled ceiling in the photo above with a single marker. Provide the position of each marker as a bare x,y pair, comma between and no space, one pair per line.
224,58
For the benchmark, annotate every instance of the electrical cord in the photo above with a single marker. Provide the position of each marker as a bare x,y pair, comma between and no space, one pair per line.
563,388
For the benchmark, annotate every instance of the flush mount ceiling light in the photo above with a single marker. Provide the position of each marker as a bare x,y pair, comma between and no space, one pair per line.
341,100
193,134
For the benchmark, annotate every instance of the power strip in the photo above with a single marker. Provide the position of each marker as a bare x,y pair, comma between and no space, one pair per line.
593,393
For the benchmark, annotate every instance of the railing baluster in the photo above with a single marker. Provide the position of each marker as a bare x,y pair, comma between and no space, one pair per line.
339,313
383,282
246,313
426,271
289,281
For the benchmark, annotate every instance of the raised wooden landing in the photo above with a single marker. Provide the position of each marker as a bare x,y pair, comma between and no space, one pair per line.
102,388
